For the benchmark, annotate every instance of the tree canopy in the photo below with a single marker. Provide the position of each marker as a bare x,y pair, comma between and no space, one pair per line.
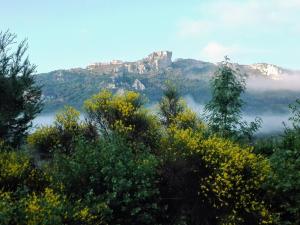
20,98
224,109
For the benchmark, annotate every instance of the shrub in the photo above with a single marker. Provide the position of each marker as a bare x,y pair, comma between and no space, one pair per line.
44,140
18,171
212,181
61,136
130,181
47,207
113,173
124,115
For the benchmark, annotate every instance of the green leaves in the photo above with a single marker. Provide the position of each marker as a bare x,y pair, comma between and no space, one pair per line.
171,104
20,98
284,182
224,109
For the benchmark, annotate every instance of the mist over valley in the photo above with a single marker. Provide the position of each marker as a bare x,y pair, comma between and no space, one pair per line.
269,88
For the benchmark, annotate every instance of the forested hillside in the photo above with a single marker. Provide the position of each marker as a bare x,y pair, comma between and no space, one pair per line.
149,75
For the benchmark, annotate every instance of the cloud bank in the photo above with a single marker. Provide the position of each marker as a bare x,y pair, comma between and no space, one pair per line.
289,82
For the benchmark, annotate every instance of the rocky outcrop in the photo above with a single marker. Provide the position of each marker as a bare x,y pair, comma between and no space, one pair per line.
138,85
159,60
271,71
153,63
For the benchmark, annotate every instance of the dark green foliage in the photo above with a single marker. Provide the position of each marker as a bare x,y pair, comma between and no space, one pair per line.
20,98
130,184
170,105
267,145
292,135
284,184
224,109
100,182
179,189
121,177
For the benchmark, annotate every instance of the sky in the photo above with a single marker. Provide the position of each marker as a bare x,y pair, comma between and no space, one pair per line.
65,34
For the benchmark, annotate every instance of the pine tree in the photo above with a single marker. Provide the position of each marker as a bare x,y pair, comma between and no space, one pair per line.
20,98
171,104
224,109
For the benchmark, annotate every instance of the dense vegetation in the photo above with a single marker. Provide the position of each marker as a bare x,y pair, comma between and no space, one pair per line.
124,164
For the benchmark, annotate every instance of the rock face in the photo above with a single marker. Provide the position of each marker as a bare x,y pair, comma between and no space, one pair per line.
271,71
159,60
153,63
138,85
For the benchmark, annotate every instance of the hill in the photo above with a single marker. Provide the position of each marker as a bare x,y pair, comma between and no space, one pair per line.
148,75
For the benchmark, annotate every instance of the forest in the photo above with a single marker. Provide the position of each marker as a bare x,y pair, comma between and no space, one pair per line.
124,164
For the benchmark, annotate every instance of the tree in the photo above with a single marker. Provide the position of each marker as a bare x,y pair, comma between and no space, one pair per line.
170,105
224,109
20,98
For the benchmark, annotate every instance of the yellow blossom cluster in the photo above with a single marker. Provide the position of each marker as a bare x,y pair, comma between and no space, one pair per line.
46,206
116,110
235,174
68,118
121,113
13,165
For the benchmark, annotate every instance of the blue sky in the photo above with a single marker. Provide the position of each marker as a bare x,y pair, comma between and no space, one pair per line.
75,33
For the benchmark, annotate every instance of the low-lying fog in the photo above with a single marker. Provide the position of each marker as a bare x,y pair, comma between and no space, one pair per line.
289,82
272,123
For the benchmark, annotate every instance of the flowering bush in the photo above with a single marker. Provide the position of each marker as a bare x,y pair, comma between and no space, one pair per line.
17,170
125,115
61,136
219,179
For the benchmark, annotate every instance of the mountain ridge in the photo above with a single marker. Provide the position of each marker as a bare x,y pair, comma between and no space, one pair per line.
160,60
148,76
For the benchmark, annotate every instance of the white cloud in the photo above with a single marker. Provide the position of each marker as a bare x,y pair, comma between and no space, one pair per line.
215,52
287,82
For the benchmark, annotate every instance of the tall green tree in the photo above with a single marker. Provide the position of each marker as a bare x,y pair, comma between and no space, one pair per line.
224,109
20,98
